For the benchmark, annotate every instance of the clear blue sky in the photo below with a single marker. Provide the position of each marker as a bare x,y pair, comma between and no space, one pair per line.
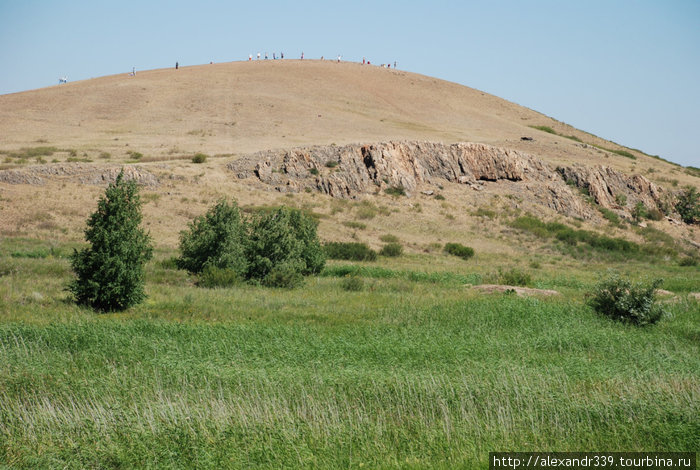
626,70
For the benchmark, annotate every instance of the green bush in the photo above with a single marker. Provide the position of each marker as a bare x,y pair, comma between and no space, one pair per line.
313,171
688,261
135,155
460,250
688,205
284,236
199,158
610,216
572,237
514,277
655,214
622,300
639,212
217,238
395,191
352,283
389,238
110,272
213,276
352,251
286,275
331,164
392,250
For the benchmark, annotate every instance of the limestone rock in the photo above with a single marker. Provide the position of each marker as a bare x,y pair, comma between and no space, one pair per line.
370,168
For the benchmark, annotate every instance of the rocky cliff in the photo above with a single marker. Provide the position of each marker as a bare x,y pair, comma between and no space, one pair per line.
348,171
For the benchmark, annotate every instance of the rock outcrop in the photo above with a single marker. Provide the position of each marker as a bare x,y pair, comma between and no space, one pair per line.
614,190
77,172
351,170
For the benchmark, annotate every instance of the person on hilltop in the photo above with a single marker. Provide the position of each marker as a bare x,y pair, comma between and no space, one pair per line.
250,57
258,56
177,65
338,58
302,55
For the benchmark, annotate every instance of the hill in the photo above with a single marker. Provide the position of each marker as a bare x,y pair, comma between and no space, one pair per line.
159,119
469,329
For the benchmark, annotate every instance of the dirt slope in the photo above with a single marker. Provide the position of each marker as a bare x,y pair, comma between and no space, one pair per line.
243,107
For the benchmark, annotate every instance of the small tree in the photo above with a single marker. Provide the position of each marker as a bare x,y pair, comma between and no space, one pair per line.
215,239
688,205
110,271
282,242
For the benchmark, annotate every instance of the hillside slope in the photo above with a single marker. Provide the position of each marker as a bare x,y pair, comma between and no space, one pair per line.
243,107
231,111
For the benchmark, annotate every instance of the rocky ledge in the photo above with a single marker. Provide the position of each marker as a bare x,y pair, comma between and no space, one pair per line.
352,170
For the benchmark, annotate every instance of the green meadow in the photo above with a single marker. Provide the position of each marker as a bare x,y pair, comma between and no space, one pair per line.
406,367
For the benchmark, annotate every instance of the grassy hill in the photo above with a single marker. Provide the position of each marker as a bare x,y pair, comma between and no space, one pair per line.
392,363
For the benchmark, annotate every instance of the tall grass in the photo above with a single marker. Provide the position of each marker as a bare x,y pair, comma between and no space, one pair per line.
412,371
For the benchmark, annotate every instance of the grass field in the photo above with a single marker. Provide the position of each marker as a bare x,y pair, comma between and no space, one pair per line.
415,370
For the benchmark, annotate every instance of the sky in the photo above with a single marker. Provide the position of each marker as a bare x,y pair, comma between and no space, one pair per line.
627,71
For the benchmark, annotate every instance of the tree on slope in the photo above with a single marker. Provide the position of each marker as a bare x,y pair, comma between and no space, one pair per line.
688,205
110,271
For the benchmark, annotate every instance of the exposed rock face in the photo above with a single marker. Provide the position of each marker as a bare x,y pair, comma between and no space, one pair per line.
363,168
346,172
77,172
614,190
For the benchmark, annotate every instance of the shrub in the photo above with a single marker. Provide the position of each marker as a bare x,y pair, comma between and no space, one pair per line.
688,205
688,261
286,237
286,275
168,263
392,250
213,276
105,155
388,238
395,191
514,277
331,164
135,155
481,212
349,251
199,158
439,197
353,224
655,214
217,238
621,199
622,300
366,212
313,171
546,129
110,274
460,250
610,216
352,283
639,212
